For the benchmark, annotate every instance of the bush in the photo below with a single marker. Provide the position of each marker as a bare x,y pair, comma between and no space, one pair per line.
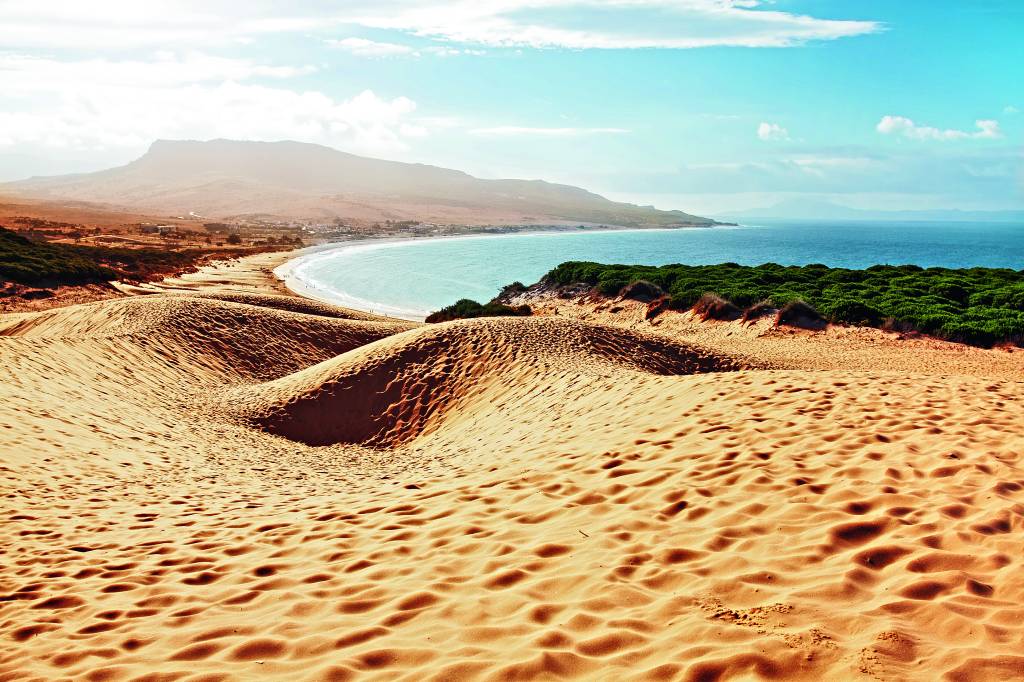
757,311
513,289
798,314
852,311
642,291
714,307
974,305
967,333
468,308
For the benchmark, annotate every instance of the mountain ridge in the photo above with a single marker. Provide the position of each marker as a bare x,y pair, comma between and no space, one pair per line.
224,178
809,209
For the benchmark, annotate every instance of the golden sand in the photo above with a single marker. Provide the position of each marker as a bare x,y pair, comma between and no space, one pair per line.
248,486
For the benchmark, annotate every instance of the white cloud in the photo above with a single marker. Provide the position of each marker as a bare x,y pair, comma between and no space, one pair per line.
1010,109
122,24
370,48
772,132
823,166
575,24
508,131
600,24
29,73
362,47
99,104
900,125
832,161
446,51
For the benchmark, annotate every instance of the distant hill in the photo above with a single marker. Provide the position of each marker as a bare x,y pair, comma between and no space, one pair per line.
812,209
226,178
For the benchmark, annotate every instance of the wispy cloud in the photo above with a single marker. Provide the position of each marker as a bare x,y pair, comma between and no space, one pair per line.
822,166
1010,109
900,125
362,47
619,24
448,51
508,131
574,24
772,132
20,72
119,24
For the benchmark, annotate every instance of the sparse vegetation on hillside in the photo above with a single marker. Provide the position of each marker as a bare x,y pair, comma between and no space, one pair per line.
28,262
49,264
980,306
466,308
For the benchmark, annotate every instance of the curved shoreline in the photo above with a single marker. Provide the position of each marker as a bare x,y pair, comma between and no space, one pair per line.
294,282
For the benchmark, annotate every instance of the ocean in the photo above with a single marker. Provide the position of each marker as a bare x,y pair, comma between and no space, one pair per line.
410,278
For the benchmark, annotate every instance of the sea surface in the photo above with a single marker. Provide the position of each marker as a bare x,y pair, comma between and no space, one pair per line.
410,278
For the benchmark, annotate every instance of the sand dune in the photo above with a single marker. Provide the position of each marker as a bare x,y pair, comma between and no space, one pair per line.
240,488
390,392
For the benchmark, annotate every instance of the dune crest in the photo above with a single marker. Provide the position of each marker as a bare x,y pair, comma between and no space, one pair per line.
390,392
493,500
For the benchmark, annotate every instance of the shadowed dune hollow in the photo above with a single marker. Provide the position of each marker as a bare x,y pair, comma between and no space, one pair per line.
254,487
390,392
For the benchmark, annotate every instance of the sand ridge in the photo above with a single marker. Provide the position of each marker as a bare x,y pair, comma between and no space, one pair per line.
394,390
532,499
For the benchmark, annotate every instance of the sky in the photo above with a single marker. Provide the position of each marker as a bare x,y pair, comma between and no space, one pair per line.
702,105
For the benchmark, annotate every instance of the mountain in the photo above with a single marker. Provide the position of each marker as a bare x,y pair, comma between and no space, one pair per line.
816,209
227,178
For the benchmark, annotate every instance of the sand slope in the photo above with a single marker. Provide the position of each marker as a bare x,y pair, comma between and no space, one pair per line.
498,499
392,391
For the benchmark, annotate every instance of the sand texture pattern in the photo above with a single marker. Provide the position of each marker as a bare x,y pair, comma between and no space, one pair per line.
251,487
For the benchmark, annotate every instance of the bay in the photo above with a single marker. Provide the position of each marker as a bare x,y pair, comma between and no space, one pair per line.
410,278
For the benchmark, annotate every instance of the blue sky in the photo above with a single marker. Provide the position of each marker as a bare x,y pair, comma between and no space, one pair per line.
704,105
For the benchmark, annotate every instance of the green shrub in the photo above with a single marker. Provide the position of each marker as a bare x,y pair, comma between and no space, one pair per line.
513,289
981,306
468,308
1009,297
852,311
29,262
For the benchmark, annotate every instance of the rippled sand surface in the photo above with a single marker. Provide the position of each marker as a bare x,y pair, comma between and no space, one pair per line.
254,487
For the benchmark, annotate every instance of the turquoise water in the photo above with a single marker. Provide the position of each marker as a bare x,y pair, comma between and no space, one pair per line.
411,278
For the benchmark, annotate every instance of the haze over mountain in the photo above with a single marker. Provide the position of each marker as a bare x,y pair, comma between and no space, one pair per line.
227,178
811,209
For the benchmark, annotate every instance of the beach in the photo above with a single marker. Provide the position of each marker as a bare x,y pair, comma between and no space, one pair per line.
512,341
219,480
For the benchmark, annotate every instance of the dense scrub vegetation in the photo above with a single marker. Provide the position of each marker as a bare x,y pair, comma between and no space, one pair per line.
28,262
47,264
980,306
466,307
